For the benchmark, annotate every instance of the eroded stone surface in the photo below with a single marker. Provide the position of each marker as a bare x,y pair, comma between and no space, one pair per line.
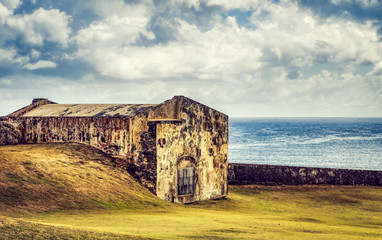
243,174
199,140
10,132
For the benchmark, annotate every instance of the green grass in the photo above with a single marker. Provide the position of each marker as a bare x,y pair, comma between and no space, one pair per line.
64,192
250,212
18,230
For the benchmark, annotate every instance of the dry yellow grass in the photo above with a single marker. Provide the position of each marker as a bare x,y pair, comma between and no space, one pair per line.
46,177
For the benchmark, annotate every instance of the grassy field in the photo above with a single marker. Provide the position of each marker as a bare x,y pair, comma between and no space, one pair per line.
249,212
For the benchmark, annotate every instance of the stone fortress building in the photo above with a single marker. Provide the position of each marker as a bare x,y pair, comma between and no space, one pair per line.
178,149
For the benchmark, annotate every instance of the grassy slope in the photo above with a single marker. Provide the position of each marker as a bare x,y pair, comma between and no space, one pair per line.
64,176
249,212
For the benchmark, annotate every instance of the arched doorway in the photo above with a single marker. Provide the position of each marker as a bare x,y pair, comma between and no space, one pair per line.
186,176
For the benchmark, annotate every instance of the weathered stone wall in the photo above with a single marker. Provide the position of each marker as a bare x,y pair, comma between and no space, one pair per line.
111,135
11,131
241,174
168,151
146,162
198,139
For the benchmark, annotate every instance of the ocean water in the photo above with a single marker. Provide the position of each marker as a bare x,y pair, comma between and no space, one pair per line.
348,143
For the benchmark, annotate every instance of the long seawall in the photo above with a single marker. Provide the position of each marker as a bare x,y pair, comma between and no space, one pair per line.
241,174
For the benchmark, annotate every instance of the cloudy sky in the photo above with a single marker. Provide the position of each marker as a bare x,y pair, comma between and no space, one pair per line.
259,58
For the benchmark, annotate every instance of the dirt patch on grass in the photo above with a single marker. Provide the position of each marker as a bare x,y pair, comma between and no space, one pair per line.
311,220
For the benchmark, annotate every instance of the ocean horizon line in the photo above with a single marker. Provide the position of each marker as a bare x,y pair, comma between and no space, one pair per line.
305,118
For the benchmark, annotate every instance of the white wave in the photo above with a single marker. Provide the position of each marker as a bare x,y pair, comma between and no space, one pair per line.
340,138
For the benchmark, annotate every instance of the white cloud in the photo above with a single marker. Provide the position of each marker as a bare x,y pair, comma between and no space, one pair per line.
113,31
35,54
10,4
9,56
234,4
284,34
50,25
364,3
106,39
299,37
5,83
35,29
377,70
4,12
40,64
120,8
193,52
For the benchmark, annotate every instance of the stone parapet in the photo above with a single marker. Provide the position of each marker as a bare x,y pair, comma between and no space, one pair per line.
241,174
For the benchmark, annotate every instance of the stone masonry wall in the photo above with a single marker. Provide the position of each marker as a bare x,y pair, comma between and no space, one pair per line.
111,135
198,139
241,174
11,131
145,167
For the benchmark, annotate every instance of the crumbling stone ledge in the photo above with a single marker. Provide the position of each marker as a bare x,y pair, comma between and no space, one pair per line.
242,174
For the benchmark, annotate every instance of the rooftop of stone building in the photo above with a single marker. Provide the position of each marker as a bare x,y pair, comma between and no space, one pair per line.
43,107
88,110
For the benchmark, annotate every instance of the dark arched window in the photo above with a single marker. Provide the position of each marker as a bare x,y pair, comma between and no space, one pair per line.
186,181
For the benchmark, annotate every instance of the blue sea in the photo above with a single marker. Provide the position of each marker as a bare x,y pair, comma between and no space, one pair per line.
348,143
